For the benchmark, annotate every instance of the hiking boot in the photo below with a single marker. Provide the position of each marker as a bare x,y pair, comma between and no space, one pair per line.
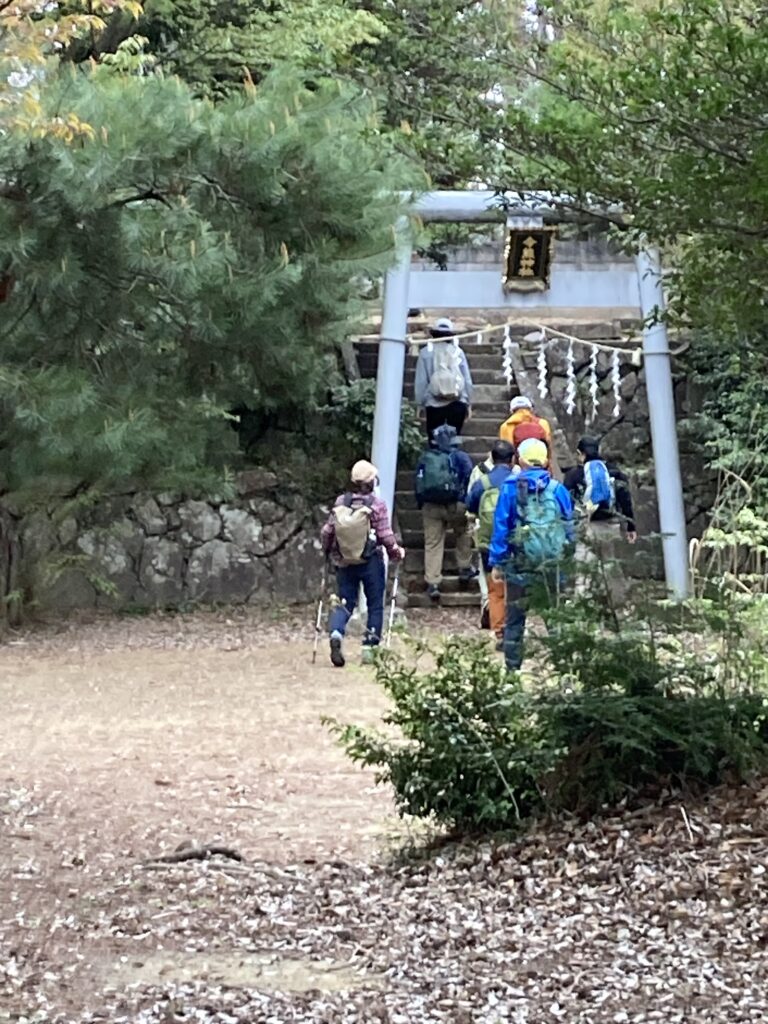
433,593
337,655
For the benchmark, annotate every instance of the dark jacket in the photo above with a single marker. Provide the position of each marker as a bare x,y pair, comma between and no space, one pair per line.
576,484
461,464
495,478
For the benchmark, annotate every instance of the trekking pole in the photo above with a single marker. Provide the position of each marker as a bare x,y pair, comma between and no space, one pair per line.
319,619
392,602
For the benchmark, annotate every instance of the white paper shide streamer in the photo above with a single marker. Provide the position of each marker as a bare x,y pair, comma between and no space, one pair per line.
506,360
570,381
594,387
616,382
541,364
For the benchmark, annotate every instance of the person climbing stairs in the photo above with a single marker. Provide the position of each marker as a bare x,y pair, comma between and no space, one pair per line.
490,407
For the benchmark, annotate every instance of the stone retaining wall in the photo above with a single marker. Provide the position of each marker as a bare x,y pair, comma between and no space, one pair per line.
165,550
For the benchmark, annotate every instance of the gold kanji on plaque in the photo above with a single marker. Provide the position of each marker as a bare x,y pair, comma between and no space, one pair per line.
527,259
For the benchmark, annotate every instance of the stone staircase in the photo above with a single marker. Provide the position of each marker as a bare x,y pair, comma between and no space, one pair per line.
489,407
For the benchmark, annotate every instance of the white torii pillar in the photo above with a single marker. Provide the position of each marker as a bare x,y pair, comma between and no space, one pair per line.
485,206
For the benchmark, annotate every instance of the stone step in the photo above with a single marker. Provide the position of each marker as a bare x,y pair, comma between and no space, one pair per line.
414,562
409,520
478,446
492,394
413,539
478,360
370,350
489,375
451,584
465,600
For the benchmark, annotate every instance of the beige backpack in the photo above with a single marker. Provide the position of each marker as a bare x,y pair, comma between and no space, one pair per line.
352,529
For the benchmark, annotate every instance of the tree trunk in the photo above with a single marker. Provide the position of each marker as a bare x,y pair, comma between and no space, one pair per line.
10,604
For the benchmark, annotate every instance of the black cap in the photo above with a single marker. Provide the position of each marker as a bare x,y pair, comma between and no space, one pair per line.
589,447
502,451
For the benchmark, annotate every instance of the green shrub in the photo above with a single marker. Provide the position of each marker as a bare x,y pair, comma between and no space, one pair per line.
350,414
469,750
619,713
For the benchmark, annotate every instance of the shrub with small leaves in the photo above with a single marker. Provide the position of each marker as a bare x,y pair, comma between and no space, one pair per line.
621,710
470,750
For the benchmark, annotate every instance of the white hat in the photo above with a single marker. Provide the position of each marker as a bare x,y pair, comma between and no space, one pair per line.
443,326
364,473
520,402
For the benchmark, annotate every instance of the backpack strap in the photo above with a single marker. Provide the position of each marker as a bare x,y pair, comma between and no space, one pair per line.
350,498
486,482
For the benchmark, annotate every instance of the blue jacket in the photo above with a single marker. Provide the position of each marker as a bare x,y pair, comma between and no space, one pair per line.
462,467
496,478
505,520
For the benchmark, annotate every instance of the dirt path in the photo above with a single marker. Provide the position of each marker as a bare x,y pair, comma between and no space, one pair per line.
123,739
142,748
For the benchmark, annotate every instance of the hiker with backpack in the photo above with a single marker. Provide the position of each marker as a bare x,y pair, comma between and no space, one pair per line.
602,493
482,500
442,476
532,537
355,537
443,384
522,424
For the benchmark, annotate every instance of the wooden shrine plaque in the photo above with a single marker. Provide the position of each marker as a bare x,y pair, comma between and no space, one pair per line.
528,259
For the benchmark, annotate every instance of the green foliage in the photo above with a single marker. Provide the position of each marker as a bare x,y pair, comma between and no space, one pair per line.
214,46
616,713
471,749
178,265
658,107
675,698
350,415
434,67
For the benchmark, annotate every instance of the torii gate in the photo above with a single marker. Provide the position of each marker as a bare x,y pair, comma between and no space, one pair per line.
641,286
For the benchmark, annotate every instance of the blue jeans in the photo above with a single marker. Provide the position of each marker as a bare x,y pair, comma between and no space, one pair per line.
519,584
349,578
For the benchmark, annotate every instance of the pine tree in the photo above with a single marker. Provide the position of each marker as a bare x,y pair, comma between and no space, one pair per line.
185,259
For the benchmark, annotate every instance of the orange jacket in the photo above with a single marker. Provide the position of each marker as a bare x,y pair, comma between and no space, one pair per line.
507,428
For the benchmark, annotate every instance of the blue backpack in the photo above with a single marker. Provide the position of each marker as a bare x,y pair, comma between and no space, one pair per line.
540,536
599,491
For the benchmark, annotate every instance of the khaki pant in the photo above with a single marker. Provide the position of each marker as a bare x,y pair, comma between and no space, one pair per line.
438,519
600,543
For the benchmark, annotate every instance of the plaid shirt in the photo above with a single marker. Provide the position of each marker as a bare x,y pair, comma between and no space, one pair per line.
380,525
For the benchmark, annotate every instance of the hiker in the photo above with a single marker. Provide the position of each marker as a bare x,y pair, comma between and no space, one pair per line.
532,535
481,502
442,476
483,575
601,491
523,424
443,384
354,537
